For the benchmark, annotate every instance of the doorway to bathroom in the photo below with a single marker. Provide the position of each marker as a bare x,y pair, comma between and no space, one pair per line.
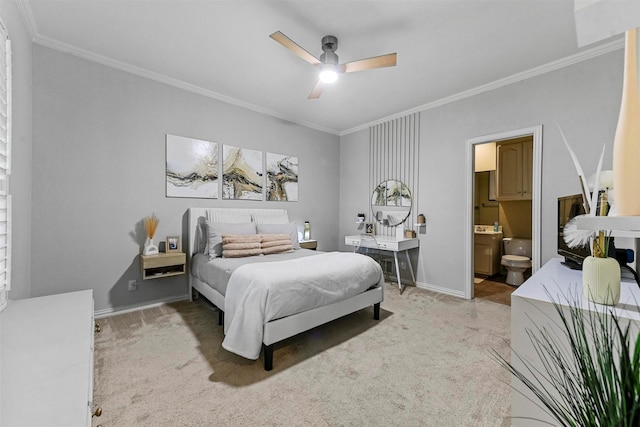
503,193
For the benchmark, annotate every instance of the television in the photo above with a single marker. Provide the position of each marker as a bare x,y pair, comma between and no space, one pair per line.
568,208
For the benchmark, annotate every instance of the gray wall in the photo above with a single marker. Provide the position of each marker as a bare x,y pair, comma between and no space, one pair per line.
21,151
584,99
98,169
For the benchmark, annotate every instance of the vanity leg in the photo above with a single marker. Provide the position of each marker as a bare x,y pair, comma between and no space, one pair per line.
395,257
413,276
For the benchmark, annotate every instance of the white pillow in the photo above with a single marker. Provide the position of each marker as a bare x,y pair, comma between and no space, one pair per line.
270,218
215,230
228,216
291,229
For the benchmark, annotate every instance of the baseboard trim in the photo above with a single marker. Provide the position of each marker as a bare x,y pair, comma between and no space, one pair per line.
439,289
114,311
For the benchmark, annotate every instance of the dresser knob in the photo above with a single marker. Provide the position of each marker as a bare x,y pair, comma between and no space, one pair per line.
98,328
97,412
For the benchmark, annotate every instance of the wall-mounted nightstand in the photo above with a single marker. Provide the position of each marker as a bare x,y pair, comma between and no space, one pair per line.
309,244
163,265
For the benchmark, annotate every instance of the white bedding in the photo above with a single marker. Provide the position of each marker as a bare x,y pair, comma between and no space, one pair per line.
257,293
216,272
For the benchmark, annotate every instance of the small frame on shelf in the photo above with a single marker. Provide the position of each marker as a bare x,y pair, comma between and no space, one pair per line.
173,244
369,228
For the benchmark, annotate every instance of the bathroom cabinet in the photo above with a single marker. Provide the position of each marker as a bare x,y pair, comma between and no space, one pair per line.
514,168
487,253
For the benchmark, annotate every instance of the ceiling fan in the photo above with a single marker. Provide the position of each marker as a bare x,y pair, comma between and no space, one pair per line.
328,62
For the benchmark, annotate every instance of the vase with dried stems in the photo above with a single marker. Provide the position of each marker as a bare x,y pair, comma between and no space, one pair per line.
150,226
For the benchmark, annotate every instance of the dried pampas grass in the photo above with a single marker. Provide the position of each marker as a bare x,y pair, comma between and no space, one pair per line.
150,225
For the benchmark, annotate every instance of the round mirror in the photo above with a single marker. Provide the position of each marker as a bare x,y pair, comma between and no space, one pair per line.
391,202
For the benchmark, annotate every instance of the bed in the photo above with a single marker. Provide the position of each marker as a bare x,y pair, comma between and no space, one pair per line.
264,299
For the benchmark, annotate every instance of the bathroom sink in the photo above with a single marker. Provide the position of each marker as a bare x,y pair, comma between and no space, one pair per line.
486,229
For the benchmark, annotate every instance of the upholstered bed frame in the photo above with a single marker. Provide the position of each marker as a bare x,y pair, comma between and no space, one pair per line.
279,329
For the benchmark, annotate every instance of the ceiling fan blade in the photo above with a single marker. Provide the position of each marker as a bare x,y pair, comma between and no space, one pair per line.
388,60
294,47
317,91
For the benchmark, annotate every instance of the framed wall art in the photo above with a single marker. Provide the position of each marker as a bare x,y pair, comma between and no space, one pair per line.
191,168
173,244
282,178
242,177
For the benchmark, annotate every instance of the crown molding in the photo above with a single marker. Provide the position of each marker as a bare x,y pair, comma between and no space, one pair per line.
24,9
533,72
27,16
110,62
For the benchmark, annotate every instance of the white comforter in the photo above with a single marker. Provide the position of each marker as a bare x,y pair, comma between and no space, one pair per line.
259,293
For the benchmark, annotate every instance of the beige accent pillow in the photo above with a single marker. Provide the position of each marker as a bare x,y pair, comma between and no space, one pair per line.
290,229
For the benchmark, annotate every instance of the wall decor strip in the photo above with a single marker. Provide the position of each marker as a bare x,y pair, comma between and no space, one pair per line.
394,150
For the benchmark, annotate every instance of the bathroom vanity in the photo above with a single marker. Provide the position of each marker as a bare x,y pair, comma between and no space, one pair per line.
487,250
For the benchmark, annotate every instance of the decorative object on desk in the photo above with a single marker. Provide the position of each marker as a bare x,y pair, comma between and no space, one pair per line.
421,219
598,20
600,274
191,168
601,279
173,244
307,230
409,234
150,226
606,185
399,232
601,357
369,228
626,144
572,235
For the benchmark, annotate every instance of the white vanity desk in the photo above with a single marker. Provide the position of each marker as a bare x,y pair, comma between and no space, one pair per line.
386,243
532,309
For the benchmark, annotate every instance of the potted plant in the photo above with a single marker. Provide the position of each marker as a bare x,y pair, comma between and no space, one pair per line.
590,373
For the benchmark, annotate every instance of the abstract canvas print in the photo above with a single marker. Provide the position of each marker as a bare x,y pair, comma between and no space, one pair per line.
242,177
282,178
192,167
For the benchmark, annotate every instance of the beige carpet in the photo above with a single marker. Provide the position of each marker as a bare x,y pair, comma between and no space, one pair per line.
426,362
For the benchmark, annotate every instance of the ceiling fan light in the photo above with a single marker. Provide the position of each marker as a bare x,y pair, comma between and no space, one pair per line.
328,75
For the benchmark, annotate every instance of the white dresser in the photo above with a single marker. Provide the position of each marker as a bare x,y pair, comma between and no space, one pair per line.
46,361
532,309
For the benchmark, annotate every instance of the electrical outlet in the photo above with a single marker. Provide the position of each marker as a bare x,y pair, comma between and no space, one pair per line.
133,285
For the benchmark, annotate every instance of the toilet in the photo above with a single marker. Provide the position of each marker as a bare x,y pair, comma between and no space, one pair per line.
516,259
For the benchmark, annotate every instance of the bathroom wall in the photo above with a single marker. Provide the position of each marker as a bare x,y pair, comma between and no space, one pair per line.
485,211
515,218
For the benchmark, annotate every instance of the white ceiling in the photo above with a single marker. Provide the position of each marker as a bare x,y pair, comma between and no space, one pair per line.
222,48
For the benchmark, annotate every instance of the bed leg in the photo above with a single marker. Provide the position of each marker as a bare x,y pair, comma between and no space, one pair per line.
268,356
220,317
376,311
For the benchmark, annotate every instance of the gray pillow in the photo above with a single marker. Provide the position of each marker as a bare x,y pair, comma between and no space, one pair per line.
291,229
215,230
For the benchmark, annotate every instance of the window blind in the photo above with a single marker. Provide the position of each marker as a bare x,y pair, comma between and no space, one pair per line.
5,165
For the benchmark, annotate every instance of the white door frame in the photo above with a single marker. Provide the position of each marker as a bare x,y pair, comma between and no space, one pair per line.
536,132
